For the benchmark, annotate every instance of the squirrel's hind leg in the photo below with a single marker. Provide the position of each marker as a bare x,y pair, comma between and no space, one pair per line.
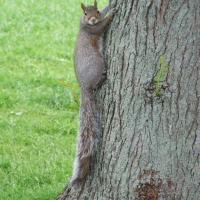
103,77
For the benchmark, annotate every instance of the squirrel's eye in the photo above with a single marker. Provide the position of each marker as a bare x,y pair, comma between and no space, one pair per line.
85,12
98,12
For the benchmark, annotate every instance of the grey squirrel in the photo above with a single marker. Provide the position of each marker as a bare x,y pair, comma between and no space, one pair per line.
90,73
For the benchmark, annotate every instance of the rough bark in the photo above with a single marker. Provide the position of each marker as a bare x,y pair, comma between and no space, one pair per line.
150,144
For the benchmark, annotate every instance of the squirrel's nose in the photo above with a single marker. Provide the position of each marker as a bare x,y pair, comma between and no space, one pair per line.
93,19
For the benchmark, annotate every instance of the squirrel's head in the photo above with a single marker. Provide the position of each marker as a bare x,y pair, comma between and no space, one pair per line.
91,13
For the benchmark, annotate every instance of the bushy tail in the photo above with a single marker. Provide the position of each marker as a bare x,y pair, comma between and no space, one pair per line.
87,136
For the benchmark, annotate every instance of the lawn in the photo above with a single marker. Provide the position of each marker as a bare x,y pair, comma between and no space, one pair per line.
38,116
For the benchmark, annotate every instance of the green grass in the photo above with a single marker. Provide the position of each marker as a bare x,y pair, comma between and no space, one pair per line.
38,116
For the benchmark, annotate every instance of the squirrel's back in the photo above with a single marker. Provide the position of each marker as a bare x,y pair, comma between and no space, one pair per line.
88,60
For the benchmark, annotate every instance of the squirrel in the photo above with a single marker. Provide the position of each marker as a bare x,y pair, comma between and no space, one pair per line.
90,73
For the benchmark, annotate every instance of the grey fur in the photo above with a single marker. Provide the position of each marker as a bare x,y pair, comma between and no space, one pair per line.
89,68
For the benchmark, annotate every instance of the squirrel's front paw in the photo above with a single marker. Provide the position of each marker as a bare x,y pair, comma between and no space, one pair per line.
113,11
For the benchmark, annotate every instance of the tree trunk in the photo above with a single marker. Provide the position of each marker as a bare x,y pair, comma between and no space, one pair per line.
149,106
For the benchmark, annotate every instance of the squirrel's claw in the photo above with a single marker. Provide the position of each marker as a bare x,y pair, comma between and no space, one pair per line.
113,10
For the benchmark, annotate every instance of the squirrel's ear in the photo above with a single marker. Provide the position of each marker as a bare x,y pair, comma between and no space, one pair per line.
95,4
83,6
